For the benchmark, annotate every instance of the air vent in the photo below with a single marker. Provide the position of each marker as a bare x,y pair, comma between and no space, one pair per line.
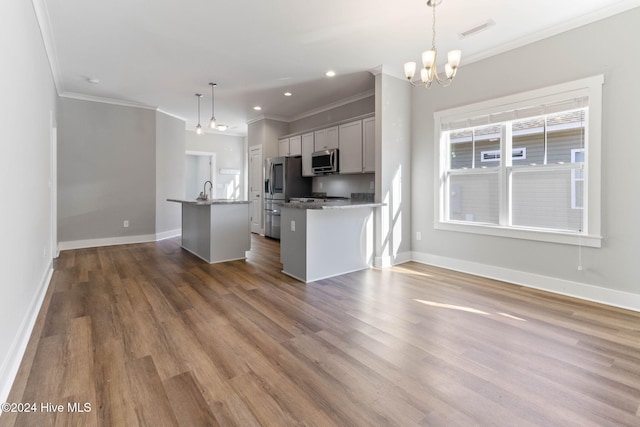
477,29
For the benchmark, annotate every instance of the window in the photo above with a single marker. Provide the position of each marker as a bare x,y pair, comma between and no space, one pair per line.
524,166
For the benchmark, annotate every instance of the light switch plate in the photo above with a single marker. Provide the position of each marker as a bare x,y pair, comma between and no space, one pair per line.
293,225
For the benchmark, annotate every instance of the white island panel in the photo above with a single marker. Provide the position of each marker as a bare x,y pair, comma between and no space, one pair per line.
323,243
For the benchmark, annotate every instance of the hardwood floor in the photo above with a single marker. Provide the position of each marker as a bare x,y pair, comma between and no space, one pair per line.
149,335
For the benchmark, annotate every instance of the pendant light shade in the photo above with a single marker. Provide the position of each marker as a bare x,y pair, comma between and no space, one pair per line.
212,122
199,130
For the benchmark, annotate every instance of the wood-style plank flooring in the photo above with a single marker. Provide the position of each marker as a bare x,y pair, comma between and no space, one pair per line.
149,335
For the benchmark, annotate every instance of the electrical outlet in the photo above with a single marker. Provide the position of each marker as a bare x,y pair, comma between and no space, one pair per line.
320,184
293,225
418,235
125,224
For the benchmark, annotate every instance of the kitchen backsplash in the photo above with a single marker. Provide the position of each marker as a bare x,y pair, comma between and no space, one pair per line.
362,197
344,185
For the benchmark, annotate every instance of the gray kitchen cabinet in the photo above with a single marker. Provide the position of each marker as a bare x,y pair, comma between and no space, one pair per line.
283,147
350,143
295,147
326,138
307,142
369,144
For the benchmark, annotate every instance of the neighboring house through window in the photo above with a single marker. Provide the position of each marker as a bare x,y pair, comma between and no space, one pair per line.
524,166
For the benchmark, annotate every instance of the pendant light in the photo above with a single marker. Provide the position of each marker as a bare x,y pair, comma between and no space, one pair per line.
199,130
212,122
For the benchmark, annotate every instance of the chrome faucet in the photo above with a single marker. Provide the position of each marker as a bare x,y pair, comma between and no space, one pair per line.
210,195
203,195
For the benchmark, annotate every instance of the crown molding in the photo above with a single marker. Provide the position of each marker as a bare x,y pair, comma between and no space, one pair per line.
83,97
42,17
571,24
268,117
345,101
160,110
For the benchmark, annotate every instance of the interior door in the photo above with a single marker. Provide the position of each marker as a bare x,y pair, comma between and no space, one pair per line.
255,188
199,168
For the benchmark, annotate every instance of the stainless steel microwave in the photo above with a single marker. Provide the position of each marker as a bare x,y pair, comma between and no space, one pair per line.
325,161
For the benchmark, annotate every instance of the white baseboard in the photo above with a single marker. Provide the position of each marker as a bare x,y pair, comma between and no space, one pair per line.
168,234
10,366
111,241
388,261
583,291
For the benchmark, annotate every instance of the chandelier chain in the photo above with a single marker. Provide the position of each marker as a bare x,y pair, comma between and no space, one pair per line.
433,27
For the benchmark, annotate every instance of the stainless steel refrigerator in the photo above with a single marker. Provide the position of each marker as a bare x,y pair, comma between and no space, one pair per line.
283,180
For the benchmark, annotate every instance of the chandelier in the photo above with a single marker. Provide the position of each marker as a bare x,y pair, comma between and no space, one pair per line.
429,73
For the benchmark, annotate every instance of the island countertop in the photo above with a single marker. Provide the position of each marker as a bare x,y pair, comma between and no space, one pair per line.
210,202
342,204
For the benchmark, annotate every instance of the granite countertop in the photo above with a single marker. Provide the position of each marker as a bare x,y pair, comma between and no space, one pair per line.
342,204
210,202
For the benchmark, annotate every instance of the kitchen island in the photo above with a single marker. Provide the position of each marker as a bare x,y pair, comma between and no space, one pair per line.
215,230
322,240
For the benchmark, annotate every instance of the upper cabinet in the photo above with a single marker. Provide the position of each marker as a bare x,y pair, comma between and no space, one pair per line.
369,144
283,147
357,146
351,147
307,149
356,141
290,146
326,138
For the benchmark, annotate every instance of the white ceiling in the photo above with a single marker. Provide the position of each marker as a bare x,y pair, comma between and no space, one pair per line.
159,53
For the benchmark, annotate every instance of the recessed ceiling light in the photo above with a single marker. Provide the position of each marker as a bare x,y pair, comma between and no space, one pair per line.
288,94
222,128
93,80
330,73
257,108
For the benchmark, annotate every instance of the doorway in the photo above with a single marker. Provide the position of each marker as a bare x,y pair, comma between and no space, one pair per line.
199,168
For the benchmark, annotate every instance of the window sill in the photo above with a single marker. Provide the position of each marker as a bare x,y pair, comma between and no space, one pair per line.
522,233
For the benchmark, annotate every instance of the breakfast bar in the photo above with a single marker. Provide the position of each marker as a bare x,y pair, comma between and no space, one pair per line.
215,230
322,240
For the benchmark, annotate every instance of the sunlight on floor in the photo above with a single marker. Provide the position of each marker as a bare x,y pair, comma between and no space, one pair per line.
467,309
411,272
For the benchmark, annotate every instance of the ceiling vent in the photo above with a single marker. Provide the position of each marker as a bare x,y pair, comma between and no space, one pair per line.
477,29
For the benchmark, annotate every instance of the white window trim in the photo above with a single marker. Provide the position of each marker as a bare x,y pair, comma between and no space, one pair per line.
591,87
574,180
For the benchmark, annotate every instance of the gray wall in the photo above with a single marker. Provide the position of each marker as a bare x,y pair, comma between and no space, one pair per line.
170,172
266,132
106,170
565,57
334,115
28,110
